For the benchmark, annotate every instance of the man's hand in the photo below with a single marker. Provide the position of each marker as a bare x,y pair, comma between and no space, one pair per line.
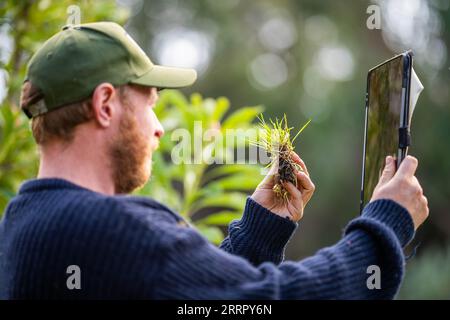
298,197
403,187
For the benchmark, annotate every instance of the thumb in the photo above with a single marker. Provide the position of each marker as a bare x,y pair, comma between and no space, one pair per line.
388,171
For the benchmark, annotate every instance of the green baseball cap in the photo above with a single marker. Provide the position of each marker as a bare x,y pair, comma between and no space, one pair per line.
72,63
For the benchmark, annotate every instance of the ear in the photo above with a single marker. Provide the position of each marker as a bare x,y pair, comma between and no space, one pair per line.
103,104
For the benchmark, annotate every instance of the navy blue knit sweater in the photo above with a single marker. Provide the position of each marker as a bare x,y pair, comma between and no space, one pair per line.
135,248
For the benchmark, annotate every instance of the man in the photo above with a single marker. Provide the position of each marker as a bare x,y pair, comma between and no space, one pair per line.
73,233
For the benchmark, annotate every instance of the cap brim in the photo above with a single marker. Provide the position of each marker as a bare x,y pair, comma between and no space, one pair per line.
167,77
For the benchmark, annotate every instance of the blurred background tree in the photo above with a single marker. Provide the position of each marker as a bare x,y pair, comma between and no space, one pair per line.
196,172
24,26
308,59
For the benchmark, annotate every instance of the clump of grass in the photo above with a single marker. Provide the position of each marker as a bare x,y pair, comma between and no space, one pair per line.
275,138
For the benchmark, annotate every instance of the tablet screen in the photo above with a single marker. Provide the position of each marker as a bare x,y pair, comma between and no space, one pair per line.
383,120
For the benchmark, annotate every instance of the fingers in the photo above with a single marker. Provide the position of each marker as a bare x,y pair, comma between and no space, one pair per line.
417,185
299,161
422,212
269,179
408,167
388,171
427,210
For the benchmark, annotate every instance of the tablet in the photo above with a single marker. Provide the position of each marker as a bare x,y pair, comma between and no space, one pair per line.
386,128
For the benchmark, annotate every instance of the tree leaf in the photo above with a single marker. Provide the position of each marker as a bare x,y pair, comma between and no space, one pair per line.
222,106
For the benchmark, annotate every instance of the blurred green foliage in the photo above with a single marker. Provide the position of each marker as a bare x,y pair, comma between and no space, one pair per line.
428,276
28,24
201,188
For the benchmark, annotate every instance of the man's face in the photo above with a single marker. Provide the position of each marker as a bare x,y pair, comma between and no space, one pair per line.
138,136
